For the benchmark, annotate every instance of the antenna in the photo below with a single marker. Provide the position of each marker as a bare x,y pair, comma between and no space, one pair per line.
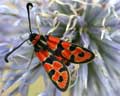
28,6
6,56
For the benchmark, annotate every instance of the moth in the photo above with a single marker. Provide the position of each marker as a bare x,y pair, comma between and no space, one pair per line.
55,54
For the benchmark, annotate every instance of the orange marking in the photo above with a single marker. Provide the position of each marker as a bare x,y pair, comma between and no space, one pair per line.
36,39
53,39
42,55
52,45
66,54
65,75
57,65
65,44
56,76
76,52
62,84
82,59
34,42
52,42
48,67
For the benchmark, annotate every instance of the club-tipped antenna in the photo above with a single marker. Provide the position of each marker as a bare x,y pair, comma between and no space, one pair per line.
28,6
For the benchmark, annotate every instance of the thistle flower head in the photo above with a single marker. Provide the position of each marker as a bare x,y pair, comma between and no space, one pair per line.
91,24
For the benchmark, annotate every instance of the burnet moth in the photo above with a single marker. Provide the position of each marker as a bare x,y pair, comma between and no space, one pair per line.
55,54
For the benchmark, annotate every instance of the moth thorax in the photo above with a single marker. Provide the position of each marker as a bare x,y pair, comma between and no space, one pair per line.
34,38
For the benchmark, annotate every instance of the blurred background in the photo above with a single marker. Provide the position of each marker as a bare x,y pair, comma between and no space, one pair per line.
93,24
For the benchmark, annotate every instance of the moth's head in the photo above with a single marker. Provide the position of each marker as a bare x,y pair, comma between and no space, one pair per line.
34,38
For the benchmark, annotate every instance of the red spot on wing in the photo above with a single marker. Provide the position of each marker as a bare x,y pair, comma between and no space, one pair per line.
56,76
65,45
66,54
37,38
57,65
53,42
47,67
73,56
65,75
42,55
65,80
77,51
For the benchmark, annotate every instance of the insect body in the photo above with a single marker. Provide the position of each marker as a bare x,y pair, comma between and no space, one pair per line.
49,48
55,54
57,71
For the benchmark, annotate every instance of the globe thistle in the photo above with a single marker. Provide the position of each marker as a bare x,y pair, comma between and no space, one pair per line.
91,24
